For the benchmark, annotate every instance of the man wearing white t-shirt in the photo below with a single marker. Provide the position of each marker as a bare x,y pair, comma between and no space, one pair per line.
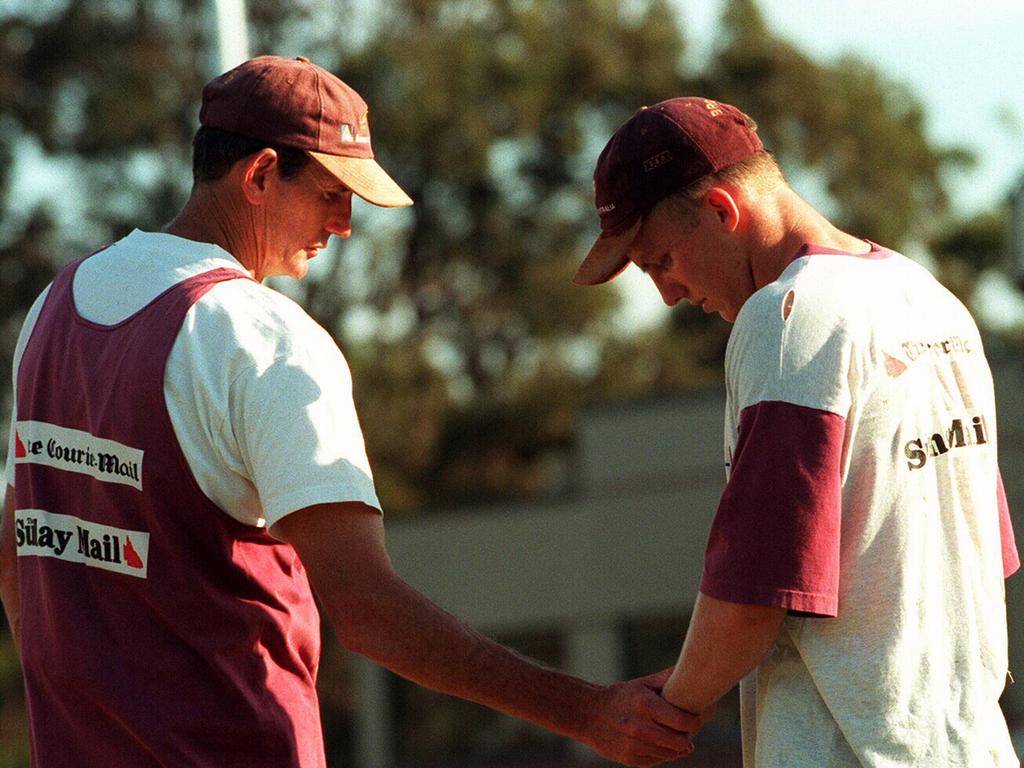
853,577
186,463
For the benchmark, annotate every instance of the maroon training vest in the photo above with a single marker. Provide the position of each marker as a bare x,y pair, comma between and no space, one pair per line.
157,630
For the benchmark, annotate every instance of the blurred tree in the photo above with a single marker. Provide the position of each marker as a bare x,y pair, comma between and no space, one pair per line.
979,242
857,134
490,113
849,138
99,94
964,248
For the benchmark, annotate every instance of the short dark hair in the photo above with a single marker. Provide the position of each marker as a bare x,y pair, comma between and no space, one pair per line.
214,152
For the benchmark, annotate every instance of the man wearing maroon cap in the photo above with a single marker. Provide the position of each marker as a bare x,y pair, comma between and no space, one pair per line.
185,461
853,577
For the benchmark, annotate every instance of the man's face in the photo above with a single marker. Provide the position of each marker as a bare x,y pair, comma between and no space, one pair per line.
298,218
693,257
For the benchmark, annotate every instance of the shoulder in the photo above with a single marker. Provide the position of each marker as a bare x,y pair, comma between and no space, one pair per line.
252,312
240,329
821,284
794,338
37,306
805,305
821,295
116,282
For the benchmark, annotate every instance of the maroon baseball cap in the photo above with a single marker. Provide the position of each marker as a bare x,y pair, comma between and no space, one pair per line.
295,103
656,153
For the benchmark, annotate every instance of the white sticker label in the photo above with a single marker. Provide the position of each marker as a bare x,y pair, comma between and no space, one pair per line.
68,538
37,442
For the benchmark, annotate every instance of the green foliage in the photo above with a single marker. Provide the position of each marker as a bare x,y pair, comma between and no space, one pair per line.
844,122
685,354
979,242
470,107
965,248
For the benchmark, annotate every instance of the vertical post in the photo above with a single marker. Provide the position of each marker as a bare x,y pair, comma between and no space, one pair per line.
374,728
1016,240
232,34
594,651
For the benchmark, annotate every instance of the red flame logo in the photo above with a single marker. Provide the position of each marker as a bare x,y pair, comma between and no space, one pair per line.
130,555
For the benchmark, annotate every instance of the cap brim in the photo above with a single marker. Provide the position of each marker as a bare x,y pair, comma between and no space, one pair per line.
607,258
364,177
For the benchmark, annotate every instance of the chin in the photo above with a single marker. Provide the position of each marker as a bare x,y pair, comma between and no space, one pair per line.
298,267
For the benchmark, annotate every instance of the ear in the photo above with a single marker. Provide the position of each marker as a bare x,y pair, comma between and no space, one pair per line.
257,171
724,205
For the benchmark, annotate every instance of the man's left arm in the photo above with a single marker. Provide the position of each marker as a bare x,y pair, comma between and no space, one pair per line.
725,641
9,569
773,549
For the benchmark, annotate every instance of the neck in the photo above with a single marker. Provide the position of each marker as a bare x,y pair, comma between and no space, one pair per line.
206,218
787,223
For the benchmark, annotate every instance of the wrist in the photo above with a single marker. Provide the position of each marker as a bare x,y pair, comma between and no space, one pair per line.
587,720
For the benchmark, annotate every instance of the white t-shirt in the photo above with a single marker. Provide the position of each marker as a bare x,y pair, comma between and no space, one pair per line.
859,396
259,394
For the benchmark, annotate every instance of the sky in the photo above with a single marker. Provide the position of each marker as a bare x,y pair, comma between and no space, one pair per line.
964,60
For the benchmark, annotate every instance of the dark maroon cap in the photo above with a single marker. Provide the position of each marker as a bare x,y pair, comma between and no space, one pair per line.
656,153
295,103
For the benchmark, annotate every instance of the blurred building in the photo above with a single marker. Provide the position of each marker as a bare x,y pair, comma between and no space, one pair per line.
598,579
1016,240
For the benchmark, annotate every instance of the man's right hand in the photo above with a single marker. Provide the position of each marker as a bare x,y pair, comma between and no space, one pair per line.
632,724
374,612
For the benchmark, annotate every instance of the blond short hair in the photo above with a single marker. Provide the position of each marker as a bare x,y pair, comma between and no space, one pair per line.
758,173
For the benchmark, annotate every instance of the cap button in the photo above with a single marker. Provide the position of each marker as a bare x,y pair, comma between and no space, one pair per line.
303,59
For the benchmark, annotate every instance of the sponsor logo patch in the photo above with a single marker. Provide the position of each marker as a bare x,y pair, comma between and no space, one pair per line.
48,534
961,433
951,346
36,442
658,160
713,107
358,133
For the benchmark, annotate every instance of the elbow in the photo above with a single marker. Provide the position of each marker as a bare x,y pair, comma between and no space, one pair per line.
355,635
361,618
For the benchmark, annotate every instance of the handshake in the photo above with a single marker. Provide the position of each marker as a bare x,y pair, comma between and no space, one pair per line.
630,723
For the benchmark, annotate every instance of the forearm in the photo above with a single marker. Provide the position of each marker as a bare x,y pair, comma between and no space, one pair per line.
400,629
374,612
725,641
9,569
